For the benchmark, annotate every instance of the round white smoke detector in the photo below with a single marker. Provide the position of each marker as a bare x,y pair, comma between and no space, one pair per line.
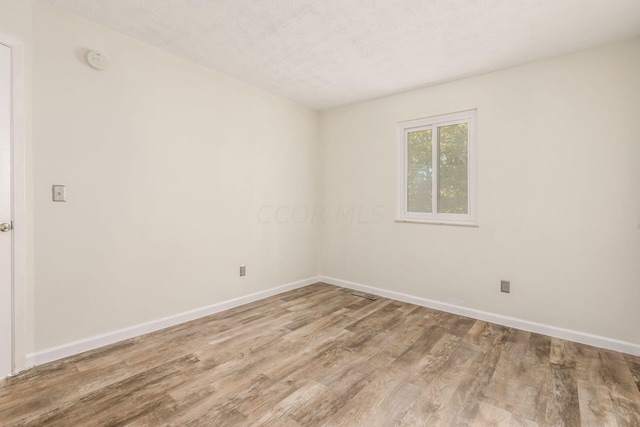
97,60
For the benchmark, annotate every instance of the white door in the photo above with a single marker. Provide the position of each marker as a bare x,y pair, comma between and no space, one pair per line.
6,297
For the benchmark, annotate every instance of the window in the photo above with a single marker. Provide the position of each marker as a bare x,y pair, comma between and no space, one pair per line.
437,169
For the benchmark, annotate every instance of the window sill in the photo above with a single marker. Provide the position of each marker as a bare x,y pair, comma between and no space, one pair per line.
437,222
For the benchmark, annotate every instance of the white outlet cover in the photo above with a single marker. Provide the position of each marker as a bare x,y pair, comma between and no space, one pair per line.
97,60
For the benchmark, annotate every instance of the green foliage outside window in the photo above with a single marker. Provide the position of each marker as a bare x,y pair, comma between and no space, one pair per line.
452,170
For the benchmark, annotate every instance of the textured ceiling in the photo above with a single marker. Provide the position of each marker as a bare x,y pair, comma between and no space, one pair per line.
327,53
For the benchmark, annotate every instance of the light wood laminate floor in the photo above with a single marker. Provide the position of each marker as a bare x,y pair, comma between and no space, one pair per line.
320,356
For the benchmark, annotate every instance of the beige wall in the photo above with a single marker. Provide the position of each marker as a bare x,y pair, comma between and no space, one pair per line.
167,165
559,211
15,19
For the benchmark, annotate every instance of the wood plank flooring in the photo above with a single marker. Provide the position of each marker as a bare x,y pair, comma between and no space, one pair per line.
318,356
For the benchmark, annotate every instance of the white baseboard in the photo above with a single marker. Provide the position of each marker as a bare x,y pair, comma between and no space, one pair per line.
65,350
70,349
553,331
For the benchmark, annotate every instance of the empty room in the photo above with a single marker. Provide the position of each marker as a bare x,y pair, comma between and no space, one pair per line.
319,213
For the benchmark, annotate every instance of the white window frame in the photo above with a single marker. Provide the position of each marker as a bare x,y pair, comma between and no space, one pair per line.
403,129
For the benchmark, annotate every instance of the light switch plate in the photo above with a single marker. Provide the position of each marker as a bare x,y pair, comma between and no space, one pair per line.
59,193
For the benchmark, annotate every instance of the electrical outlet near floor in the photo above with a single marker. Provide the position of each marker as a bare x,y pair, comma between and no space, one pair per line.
505,286
243,270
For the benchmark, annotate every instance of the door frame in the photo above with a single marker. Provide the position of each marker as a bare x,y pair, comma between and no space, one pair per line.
18,203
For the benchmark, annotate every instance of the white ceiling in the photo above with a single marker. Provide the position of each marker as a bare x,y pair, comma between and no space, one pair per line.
327,53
